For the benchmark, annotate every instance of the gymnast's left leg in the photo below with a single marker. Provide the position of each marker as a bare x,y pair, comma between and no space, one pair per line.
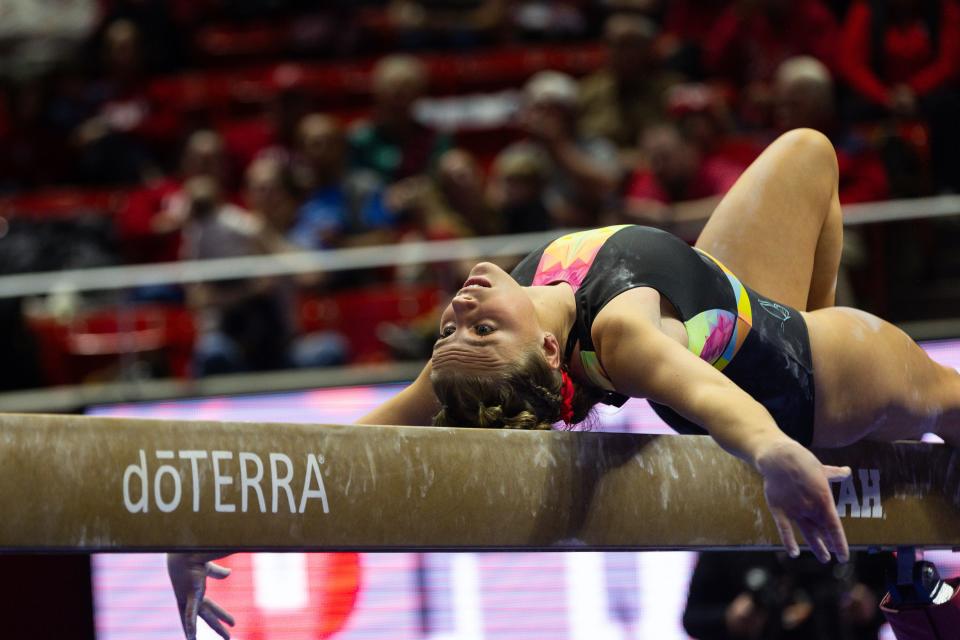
780,228
873,382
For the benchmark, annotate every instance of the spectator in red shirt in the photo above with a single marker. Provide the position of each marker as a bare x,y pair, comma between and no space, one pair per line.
752,37
678,185
804,97
151,221
902,58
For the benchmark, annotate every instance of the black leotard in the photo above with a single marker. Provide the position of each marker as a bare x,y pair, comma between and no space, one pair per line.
760,344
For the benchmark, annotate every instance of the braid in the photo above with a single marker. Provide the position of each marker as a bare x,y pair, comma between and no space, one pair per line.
527,397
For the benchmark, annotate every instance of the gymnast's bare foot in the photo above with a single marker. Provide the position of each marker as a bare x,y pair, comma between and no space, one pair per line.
797,488
188,574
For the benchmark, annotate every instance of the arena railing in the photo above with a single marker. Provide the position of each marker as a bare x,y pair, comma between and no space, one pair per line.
351,259
128,277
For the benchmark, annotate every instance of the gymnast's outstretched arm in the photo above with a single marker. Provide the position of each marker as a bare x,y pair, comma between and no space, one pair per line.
644,362
414,406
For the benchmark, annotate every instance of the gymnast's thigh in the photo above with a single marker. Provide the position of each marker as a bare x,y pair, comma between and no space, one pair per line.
872,380
767,228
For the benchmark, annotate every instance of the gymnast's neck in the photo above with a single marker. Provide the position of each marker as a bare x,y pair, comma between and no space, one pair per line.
556,309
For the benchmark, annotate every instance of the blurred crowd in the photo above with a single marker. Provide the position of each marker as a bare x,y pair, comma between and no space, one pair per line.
754,595
226,128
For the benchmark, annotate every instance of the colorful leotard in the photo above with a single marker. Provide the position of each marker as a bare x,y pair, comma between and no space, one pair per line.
759,344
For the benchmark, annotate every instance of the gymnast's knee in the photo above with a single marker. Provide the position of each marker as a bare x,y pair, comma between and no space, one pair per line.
813,147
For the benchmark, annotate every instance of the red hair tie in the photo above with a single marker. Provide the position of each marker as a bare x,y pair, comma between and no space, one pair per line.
566,397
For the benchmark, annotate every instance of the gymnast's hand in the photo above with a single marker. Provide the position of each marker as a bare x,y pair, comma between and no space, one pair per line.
188,575
797,488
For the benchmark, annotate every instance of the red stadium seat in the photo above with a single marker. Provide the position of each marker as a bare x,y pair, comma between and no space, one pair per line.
356,315
241,41
346,84
61,202
93,345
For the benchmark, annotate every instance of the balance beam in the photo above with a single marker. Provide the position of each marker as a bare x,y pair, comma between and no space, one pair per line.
83,484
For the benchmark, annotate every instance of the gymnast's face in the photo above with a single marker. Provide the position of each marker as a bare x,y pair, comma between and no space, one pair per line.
490,322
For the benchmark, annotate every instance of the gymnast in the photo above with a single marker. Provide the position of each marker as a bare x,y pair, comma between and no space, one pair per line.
736,337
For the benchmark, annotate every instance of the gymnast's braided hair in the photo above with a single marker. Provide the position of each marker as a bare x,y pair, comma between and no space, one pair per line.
529,395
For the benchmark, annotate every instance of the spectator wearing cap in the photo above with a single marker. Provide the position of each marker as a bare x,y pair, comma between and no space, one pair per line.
393,144
620,101
518,191
583,171
703,112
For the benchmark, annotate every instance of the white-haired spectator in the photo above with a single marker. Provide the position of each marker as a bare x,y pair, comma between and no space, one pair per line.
804,97
803,89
